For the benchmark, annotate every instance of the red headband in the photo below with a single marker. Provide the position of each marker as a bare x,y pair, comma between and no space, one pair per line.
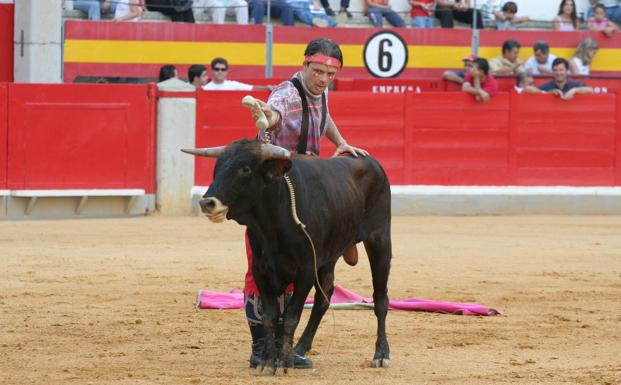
323,59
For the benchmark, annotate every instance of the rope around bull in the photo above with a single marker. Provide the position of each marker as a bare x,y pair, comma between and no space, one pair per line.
298,222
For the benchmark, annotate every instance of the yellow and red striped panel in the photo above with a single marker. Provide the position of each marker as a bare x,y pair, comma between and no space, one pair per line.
139,49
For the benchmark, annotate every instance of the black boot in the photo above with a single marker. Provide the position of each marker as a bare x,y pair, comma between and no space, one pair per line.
258,344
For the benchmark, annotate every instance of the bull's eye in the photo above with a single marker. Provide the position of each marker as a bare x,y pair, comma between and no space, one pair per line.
245,171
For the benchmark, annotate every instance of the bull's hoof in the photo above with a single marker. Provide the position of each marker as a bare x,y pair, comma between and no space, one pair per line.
265,371
380,363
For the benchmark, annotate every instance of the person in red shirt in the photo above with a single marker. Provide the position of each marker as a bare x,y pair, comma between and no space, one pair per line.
422,13
478,82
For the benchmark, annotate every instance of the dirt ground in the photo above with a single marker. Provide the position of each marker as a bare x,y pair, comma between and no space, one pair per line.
111,302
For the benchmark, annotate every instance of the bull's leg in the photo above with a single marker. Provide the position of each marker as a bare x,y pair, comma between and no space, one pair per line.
292,316
379,250
270,319
320,306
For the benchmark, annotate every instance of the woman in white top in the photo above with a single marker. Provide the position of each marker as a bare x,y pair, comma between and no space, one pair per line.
128,10
580,64
566,19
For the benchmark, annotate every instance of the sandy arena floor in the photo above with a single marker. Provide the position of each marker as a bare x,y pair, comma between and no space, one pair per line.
111,302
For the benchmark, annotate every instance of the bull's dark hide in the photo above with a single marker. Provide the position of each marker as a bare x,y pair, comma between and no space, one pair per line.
342,201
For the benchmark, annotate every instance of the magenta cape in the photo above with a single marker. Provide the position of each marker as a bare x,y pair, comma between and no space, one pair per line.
343,298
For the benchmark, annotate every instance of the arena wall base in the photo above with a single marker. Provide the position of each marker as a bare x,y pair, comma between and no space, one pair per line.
505,200
75,207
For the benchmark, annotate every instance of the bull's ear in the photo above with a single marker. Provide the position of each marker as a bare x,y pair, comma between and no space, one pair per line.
276,167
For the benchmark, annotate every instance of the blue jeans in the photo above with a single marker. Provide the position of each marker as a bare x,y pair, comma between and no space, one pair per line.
299,10
91,7
257,10
422,22
376,15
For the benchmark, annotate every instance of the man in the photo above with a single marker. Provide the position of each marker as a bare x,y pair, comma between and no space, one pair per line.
449,10
285,115
541,62
478,82
458,76
197,75
508,63
219,82
561,85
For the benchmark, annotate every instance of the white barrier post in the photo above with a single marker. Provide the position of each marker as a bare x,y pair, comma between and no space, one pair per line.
176,121
37,41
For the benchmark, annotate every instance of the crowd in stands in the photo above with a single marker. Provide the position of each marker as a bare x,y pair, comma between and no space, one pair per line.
199,78
603,15
478,76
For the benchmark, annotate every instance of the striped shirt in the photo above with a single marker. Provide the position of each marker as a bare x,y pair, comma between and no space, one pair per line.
286,100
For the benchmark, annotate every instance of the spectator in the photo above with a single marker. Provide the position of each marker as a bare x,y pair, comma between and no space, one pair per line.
580,63
566,19
219,82
197,75
506,19
378,9
561,85
478,82
167,72
217,9
508,63
306,13
257,9
94,8
612,7
450,10
178,10
524,83
458,76
599,21
128,10
422,13
344,14
541,62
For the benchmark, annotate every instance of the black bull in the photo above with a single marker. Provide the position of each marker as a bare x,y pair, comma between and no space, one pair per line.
342,201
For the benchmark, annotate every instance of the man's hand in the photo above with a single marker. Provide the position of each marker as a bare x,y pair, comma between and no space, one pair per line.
355,151
557,92
272,116
568,95
484,96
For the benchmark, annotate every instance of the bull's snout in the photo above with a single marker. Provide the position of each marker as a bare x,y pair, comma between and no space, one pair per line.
213,208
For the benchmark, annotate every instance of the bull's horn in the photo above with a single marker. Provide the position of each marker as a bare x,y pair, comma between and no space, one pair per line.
269,151
211,152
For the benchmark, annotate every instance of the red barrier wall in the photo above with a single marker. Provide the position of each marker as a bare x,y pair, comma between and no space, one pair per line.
3,134
505,83
453,140
6,42
80,137
135,49
445,138
221,119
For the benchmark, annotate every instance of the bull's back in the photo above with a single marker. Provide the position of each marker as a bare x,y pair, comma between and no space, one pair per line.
343,189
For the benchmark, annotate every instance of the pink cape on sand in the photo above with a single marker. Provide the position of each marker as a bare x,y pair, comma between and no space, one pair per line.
343,298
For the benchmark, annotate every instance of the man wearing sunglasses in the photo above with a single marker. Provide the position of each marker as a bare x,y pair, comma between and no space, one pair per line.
298,117
219,82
